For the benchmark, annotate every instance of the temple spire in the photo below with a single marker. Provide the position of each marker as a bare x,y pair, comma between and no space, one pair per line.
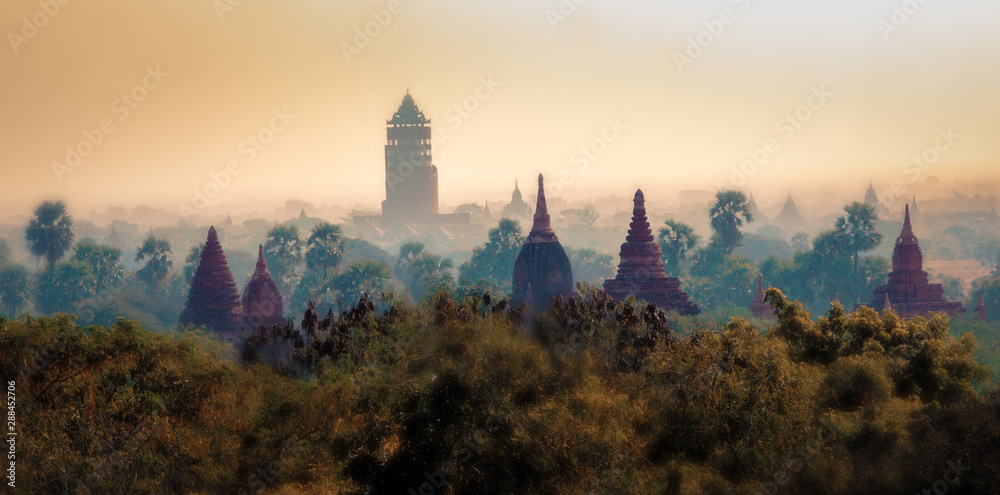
541,230
261,264
906,236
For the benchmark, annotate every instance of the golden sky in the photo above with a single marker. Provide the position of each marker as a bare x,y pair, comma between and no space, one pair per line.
533,81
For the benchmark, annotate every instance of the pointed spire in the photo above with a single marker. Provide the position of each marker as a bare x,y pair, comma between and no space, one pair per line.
906,236
213,236
261,264
541,230
639,230
887,305
760,286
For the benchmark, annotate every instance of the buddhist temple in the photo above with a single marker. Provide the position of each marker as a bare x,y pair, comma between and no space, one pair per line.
908,291
542,268
517,209
915,210
641,269
981,313
759,307
790,216
411,178
213,300
871,199
262,304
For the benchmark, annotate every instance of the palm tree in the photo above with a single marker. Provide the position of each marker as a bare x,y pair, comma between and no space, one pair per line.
324,248
104,261
191,262
49,233
858,229
494,261
730,211
283,252
157,253
363,277
676,239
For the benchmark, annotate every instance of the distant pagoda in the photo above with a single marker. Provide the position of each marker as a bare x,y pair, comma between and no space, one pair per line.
790,216
262,304
517,209
758,217
213,301
641,269
908,292
542,268
759,306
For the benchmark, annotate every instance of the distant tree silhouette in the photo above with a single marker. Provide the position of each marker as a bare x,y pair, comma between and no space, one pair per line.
676,240
49,233
283,252
494,261
14,289
729,213
156,253
60,287
104,261
858,230
324,248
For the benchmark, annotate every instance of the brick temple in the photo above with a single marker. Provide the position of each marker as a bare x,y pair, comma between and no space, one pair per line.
908,292
542,270
641,271
213,300
262,304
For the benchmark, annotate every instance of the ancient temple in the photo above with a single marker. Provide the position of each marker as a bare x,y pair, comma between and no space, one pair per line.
262,304
790,216
542,268
759,307
641,271
517,209
981,313
411,178
908,291
213,300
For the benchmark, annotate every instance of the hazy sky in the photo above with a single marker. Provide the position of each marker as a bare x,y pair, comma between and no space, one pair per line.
535,84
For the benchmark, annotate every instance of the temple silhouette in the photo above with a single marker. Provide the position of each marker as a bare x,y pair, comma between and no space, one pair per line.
411,178
908,292
542,270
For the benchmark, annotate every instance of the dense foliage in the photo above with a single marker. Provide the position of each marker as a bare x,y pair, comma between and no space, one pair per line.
473,397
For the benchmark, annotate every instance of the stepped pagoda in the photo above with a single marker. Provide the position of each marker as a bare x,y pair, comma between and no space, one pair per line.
262,305
908,291
542,268
759,307
213,300
641,269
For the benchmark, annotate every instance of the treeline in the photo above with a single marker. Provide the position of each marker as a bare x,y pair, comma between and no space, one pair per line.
471,396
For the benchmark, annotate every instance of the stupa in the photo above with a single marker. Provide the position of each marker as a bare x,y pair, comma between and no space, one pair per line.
517,209
759,307
213,300
641,269
790,216
542,263
262,304
908,291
